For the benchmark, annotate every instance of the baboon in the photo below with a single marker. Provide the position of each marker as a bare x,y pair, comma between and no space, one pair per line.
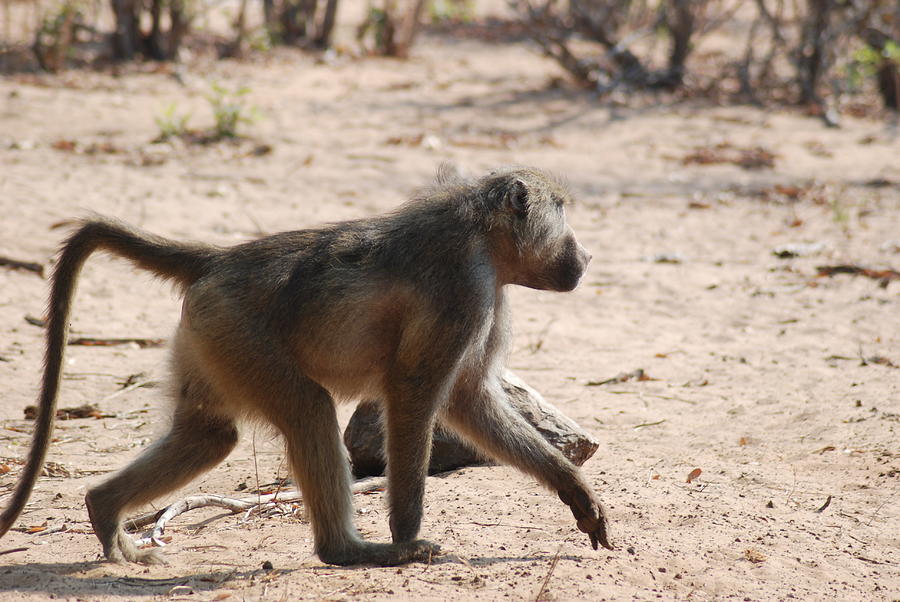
408,308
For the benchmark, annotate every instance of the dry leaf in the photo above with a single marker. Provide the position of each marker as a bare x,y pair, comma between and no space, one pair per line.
4,468
64,145
693,474
754,555
655,477
743,441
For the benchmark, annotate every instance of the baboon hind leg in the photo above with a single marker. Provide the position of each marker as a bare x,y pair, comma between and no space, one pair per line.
197,441
319,463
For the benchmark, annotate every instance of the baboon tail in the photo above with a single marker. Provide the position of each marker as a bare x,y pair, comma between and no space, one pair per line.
180,262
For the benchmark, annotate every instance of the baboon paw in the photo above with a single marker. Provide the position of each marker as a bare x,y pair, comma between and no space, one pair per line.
421,550
590,516
124,550
597,529
150,556
381,554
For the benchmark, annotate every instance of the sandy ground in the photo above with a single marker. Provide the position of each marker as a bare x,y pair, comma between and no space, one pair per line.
781,386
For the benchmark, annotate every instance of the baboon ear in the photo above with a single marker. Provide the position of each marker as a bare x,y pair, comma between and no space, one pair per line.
517,197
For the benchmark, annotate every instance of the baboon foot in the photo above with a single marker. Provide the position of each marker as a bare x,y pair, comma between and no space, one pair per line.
383,554
118,546
124,550
419,550
589,514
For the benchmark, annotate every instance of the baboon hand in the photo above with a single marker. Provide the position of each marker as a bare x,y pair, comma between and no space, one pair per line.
589,514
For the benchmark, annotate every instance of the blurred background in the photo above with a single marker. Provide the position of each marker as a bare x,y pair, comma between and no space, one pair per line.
824,54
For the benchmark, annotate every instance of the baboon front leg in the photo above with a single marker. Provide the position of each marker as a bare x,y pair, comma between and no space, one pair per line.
408,445
196,442
319,462
487,420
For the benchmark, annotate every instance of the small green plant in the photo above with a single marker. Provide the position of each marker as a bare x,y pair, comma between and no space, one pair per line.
454,11
261,40
170,123
379,24
867,60
839,213
230,110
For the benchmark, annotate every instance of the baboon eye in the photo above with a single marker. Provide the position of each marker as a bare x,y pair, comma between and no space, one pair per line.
517,197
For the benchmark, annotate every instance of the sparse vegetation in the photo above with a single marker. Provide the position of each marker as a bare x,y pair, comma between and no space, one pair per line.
814,53
171,124
230,110
790,50
451,10
392,27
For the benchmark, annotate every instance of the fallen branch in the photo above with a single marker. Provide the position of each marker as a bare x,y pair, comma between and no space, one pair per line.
364,435
638,375
63,528
883,276
34,321
83,411
111,342
640,426
191,503
131,387
16,264
160,518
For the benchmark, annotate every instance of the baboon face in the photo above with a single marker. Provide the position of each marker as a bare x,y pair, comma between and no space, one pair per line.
545,254
568,265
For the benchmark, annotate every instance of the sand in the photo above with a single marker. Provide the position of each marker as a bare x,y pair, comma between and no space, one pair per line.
780,386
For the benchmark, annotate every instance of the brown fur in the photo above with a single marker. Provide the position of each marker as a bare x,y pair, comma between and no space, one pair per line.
408,308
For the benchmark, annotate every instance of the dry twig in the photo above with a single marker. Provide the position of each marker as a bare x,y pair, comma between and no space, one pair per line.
16,264
884,277
553,564
821,509
638,375
111,342
160,518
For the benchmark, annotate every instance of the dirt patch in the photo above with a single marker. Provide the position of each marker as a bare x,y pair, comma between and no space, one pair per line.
758,363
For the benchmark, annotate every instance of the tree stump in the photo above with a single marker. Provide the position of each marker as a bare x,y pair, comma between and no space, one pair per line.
364,436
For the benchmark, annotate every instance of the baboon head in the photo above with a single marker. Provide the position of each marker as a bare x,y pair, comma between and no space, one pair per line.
533,244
